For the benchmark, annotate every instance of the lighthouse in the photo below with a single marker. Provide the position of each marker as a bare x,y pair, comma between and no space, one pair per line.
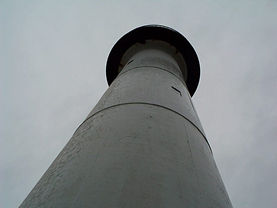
142,145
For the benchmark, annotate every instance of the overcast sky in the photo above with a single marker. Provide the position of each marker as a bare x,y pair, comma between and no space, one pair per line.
52,73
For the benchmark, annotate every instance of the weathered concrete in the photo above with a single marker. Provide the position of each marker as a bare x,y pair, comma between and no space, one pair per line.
141,146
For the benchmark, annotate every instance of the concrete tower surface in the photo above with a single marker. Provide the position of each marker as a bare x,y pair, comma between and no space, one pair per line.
142,145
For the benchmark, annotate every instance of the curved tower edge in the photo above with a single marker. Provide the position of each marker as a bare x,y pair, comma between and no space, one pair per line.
162,33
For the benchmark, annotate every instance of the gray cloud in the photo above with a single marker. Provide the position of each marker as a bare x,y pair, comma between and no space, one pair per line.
52,73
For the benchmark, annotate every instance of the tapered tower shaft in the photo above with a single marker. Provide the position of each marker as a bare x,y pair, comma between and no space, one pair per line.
143,144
